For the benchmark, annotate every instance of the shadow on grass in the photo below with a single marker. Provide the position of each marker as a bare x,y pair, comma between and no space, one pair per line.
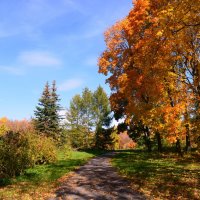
51,172
161,176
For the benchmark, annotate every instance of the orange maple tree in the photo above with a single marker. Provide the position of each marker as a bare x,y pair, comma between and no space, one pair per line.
152,60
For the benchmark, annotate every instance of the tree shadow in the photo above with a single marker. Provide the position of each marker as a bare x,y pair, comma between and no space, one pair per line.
159,174
97,180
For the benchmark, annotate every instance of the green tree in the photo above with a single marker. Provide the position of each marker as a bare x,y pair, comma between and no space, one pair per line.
102,117
47,118
80,119
101,108
75,128
88,114
87,118
74,112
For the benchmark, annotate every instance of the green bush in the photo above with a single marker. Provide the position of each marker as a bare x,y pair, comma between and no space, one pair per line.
66,150
44,150
19,151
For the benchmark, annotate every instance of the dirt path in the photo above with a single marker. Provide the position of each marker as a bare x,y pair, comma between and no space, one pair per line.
97,180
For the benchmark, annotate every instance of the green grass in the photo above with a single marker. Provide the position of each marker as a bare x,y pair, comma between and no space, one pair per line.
40,181
161,176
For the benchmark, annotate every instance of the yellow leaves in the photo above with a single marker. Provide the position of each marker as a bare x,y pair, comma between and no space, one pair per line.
122,82
3,129
167,12
3,126
159,33
122,79
3,120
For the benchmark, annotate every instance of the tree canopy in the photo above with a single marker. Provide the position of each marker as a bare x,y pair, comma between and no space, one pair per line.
153,68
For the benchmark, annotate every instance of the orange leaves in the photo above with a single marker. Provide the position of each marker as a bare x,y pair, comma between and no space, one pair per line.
125,142
104,63
122,81
152,58
15,126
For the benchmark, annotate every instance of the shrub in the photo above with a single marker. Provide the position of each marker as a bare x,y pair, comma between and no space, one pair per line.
21,150
66,149
43,149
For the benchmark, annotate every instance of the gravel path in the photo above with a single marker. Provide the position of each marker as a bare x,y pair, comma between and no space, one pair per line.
97,180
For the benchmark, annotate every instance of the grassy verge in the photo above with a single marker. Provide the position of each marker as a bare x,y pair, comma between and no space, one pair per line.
39,182
161,176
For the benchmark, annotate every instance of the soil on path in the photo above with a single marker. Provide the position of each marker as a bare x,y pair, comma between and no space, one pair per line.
97,180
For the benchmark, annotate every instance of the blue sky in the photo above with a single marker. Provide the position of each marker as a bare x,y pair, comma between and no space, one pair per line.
46,40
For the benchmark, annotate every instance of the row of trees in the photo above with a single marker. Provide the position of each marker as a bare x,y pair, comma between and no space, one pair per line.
88,119
24,144
152,58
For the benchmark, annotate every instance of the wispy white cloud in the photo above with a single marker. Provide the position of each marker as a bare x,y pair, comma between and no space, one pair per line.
91,29
33,15
12,70
70,84
30,60
38,59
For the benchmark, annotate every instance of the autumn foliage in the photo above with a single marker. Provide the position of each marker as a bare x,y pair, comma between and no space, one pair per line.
14,125
153,67
125,142
21,147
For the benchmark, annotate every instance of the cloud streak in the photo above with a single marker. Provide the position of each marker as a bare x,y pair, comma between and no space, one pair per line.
33,15
30,60
70,85
12,70
38,59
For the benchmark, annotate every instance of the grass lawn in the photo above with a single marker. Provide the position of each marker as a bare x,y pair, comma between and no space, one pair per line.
161,176
40,181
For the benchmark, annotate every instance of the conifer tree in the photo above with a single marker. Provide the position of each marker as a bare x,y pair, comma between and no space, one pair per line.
55,108
46,114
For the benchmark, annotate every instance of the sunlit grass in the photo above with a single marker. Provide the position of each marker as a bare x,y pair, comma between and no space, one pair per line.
39,182
161,176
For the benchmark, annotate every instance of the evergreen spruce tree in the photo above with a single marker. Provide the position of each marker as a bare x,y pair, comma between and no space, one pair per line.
55,108
42,111
47,118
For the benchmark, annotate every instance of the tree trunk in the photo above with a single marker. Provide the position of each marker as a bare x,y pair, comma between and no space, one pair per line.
88,136
188,143
147,139
159,142
178,147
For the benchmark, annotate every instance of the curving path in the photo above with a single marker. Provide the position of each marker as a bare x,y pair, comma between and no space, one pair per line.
97,180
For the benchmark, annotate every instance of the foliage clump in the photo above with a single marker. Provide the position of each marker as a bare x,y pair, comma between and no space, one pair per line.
19,151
